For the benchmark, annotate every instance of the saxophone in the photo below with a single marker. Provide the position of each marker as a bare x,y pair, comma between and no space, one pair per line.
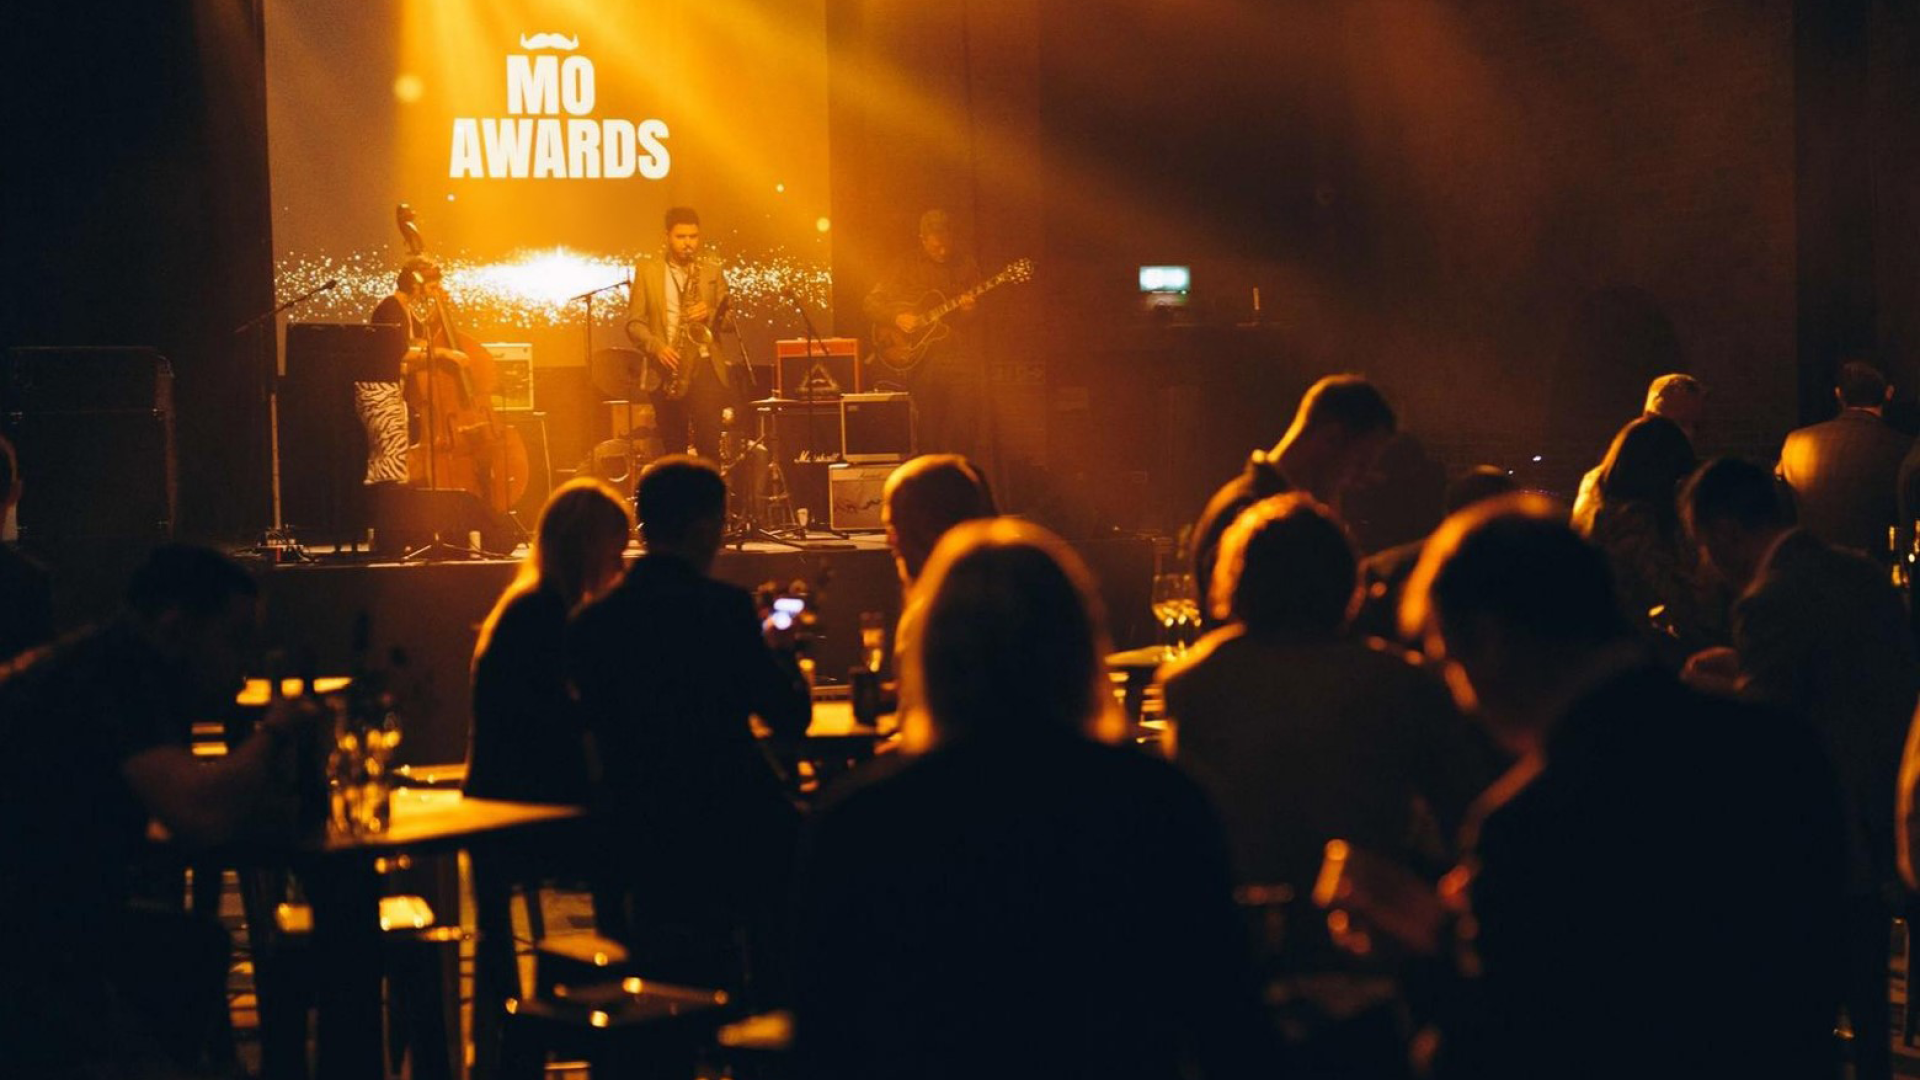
692,340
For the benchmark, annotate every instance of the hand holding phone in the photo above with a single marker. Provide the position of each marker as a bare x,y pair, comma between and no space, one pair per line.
781,627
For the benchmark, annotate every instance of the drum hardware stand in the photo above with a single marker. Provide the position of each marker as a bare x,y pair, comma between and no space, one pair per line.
277,542
438,550
809,395
748,526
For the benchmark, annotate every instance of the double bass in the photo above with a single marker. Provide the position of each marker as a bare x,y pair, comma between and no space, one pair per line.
462,444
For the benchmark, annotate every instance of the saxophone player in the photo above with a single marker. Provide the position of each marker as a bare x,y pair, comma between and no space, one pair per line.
678,302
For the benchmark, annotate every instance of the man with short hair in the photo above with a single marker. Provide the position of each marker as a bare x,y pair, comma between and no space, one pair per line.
1820,634
667,667
1845,472
949,383
679,301
1678,397
1608,901
923,499
26,592
97,731
1341,426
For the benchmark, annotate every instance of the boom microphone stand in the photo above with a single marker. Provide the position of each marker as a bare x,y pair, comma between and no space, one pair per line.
637,385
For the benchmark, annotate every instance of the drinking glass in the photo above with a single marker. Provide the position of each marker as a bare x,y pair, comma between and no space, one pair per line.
1167,608
1186,611
873,640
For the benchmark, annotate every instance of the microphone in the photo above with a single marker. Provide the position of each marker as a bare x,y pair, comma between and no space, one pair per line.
332,283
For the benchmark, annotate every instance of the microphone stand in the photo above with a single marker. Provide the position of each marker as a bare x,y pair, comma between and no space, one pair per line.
276,542
639,386
807,396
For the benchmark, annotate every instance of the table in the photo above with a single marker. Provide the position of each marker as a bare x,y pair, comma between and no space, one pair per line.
1139,666
343,886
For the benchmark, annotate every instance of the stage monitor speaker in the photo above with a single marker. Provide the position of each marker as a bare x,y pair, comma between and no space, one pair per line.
832,367
406,518
323,447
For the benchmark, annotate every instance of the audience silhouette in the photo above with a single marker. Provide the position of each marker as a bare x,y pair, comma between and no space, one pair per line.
1020,898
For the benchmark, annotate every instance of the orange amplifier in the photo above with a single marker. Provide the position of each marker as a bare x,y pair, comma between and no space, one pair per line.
833,368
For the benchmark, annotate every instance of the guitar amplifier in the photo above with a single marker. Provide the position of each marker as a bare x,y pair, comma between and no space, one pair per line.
876,427
513,385
832,369
855,495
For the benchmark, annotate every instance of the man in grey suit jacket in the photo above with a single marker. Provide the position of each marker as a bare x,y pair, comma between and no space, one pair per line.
1844,473
671,295
1819,633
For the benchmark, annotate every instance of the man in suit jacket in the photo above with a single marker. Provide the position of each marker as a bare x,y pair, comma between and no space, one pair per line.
1610,893
669,295
1820,634
667,668
1845,472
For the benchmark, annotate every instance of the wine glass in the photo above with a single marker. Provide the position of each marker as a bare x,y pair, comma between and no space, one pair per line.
1186,600
1167,608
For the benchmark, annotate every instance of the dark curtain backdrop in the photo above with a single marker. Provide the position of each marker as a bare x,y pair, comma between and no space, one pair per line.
136,213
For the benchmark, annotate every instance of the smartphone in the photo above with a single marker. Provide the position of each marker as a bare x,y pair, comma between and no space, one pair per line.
786,612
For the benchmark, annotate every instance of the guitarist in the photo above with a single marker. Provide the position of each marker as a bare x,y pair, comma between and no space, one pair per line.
947,385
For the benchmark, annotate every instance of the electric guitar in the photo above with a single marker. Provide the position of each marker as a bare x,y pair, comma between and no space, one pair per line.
902,350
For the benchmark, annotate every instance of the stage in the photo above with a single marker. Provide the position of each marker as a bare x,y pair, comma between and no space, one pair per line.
432,612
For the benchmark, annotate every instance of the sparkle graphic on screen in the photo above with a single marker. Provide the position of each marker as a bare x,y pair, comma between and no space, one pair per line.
533,289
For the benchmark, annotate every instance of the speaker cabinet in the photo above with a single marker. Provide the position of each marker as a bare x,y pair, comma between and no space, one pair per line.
856,496
323,447
93,429
95,475
830,369
876,427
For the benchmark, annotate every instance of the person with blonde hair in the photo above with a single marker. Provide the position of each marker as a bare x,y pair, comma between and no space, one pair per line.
1018,851
527,743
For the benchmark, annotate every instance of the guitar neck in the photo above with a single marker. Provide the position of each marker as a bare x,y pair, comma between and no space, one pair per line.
986,286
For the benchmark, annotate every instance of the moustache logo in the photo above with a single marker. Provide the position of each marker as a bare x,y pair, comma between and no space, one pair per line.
549,41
